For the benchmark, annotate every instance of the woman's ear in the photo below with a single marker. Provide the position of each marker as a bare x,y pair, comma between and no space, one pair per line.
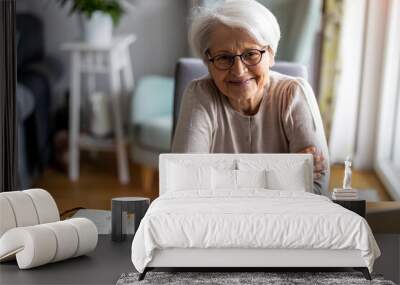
271,56
208,64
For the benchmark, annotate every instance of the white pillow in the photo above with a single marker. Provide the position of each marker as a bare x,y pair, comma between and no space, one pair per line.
251,178
280,174
188,177
223,179
293,179
235,179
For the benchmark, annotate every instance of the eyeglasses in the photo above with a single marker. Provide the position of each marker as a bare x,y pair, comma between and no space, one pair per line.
225,61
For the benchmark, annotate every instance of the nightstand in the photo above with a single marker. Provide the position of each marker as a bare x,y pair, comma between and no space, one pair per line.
357,206
133,205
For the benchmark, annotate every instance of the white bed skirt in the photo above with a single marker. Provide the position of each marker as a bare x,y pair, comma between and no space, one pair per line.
193,257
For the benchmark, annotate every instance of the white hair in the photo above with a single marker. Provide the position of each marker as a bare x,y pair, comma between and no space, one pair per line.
248,15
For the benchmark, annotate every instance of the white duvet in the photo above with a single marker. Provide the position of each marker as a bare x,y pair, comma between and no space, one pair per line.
252,218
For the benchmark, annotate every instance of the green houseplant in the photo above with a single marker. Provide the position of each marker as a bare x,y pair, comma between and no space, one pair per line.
112,8
98,17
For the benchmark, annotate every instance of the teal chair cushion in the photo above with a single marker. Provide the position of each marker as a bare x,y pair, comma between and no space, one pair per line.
151,113
153,97
156,133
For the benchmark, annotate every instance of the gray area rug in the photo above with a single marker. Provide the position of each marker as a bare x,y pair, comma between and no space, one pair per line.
273,278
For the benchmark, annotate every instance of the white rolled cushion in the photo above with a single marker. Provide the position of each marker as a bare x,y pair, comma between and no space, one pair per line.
223,179
33,246
87,235
45,205
251,179
23,208
188,177
7,218
67,240
40,244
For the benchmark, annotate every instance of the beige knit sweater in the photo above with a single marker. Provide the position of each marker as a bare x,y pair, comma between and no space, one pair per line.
288,120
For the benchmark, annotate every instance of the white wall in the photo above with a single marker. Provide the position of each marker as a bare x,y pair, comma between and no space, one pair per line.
160,26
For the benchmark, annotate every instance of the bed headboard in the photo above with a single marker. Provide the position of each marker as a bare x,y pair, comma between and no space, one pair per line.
274,161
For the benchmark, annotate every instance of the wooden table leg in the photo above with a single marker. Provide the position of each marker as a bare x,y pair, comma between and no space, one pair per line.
74,112
115,84
128,79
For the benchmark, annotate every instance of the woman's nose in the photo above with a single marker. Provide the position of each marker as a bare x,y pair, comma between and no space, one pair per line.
238,68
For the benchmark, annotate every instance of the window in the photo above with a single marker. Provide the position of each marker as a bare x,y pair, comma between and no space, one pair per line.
387,161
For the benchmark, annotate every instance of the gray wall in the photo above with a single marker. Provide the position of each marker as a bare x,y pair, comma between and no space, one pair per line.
160,26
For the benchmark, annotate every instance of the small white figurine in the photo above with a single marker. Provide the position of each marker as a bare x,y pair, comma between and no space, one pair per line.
347,174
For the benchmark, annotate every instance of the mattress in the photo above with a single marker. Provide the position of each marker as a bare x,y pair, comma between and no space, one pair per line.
250,219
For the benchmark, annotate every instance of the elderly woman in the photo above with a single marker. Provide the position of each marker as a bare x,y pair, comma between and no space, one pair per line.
242,106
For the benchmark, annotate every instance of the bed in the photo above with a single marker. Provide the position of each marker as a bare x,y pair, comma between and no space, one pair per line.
246,211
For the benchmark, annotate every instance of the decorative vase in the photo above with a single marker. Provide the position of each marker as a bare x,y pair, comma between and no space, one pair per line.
97,30
100,117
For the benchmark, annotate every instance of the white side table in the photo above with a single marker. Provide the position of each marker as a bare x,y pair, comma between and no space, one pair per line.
91,60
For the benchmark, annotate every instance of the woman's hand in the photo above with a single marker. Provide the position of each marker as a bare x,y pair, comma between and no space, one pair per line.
318,160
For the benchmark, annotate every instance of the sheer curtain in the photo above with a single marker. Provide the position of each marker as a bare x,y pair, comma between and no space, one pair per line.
329,70
358,85
8,135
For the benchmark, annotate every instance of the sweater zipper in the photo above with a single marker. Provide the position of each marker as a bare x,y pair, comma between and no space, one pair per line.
250,138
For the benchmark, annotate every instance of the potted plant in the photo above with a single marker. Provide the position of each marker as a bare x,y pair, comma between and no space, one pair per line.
99,17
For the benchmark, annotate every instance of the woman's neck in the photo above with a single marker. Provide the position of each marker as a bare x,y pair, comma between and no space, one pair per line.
248,106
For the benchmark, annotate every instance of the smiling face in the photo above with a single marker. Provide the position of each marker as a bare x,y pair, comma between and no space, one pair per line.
243,85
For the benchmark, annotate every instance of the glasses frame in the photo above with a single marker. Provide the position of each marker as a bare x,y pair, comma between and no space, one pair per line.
212,59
